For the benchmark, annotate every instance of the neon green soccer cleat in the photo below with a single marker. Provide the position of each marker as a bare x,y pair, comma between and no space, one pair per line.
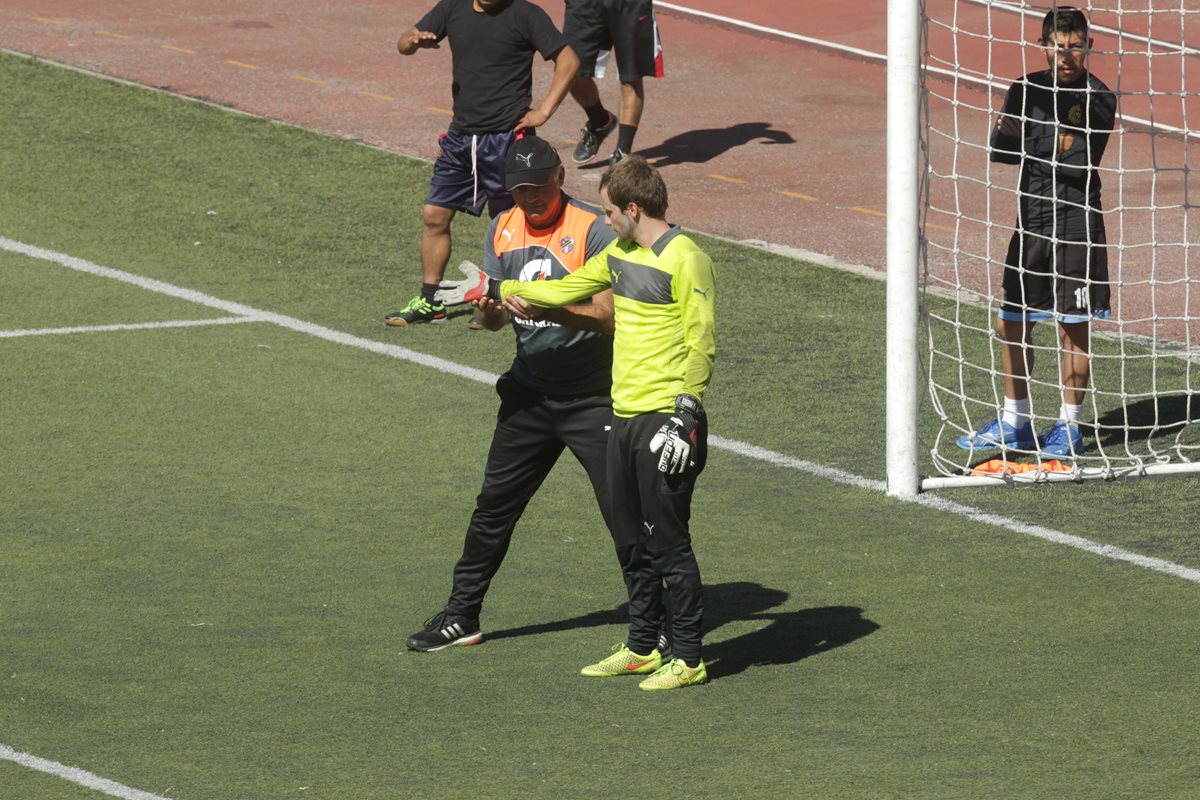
675,675
623,661
417,311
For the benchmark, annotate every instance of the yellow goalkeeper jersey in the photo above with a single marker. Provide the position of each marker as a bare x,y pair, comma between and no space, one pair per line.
663,301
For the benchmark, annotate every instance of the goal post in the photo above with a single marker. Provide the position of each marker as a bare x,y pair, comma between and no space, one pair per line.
903,246
952,209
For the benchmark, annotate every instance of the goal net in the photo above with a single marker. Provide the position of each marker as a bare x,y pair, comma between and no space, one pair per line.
1139,411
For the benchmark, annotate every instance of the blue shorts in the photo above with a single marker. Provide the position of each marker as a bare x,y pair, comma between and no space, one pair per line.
470,172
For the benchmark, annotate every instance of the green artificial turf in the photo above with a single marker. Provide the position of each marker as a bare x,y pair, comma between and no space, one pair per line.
217,538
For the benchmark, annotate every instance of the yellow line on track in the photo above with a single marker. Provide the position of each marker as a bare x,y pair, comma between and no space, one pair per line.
174,49
387,98
440,110
870,211
243,65
49,21
112,35
798,196
307,79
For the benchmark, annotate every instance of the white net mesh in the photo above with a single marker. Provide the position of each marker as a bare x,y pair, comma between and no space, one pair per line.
1141,407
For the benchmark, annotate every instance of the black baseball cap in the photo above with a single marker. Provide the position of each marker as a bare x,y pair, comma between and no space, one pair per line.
531,162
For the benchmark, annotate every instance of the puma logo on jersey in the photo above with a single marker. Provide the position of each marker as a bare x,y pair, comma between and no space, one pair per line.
507,233
649,528
703,294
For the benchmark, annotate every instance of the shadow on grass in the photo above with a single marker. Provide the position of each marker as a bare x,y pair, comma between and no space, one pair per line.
784,638
595,619
1152,417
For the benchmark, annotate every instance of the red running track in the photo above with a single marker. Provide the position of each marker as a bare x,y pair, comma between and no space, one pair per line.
761,136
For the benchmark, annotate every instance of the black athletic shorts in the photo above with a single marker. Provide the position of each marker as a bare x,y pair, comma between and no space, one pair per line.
1047,279
593,27
469,172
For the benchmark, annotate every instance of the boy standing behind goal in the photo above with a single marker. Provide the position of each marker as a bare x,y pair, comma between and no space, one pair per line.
1055,124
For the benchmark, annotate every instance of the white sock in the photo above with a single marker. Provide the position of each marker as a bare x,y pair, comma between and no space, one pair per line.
1069,412
1016,412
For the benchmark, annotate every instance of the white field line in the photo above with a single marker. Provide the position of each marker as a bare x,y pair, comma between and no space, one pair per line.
130,326
253,314
731,445
941,504
76,775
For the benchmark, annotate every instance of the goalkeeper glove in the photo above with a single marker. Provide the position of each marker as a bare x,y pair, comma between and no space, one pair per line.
476,286
676,439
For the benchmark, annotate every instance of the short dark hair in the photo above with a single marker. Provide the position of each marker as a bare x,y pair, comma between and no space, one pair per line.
633,180
1064,19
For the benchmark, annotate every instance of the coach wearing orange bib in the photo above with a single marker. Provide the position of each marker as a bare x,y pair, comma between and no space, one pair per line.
556,394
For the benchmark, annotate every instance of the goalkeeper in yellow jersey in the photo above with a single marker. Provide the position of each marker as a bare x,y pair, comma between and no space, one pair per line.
664,290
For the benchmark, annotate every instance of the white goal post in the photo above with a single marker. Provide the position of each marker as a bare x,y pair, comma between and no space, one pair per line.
952,210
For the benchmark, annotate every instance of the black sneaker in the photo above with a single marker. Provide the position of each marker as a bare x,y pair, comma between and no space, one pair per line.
443,630
418,310
617,155
590,141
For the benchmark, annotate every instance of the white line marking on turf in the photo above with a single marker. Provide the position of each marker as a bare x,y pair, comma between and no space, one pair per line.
130,326
76,775
741,448
942,504
240,310
1058,537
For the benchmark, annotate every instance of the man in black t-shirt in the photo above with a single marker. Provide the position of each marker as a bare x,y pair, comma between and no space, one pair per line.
492,44
1055,124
